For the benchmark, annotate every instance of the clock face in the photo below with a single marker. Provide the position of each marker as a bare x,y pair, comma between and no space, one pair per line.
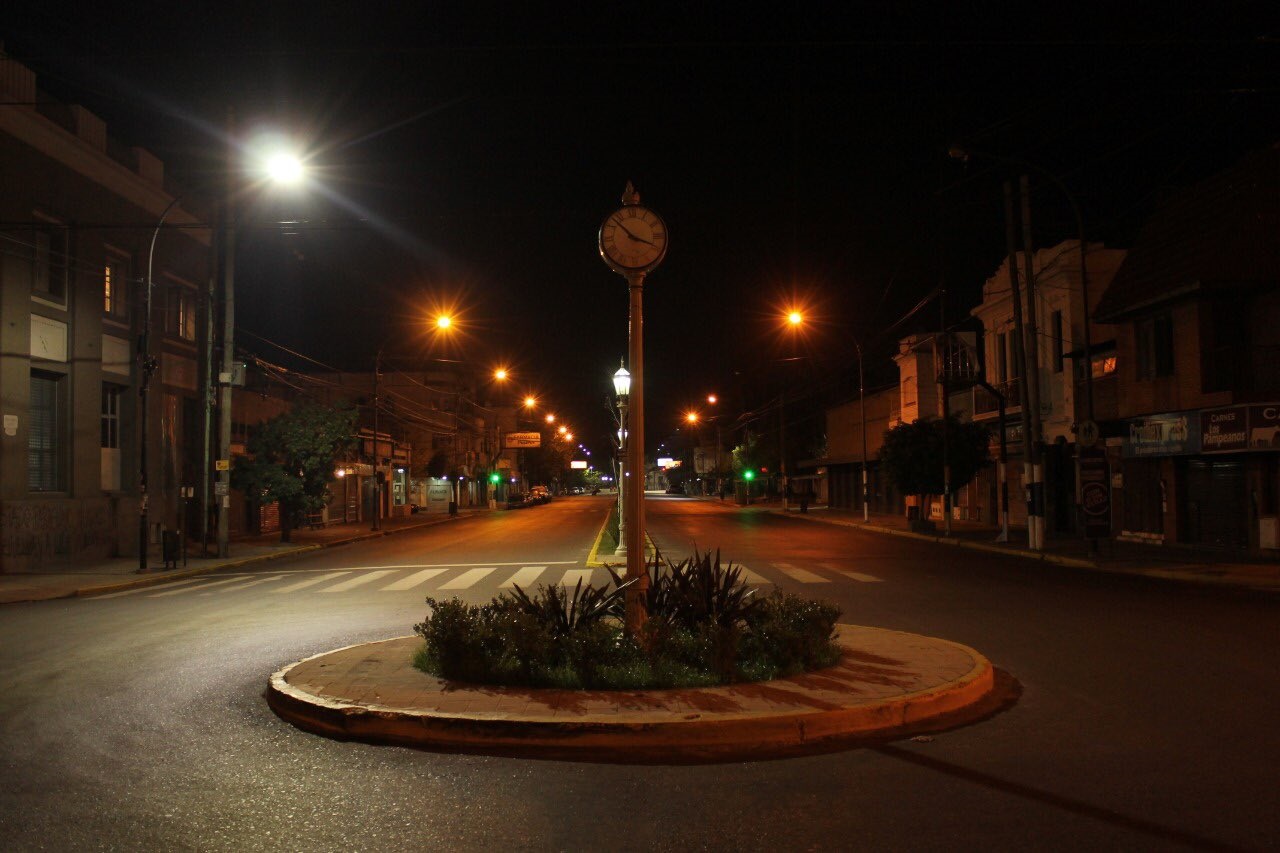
633,238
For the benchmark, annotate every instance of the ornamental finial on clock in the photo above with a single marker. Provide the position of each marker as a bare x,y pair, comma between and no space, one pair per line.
629,195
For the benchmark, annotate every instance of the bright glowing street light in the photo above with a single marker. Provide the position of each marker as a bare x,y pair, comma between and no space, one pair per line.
568,436
563,429
284,168
691,417
500,374
712,399
551,418
444,321
795,318
530,402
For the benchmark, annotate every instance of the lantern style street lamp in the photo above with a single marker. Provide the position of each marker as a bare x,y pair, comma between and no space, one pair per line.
622,390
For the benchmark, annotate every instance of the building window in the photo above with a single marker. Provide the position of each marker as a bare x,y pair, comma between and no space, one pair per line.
182,313
51,245
1002,357
1153,346
115,288
46,442
112,395
111,416
1057,341
1103,365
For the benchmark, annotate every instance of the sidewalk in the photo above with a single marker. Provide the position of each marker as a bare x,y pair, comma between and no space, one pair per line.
122,572
1173,562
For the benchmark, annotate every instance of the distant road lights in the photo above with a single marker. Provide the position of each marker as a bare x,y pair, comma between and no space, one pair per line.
712,399
568,436
550,418
500,374
530,402
563,429
691,417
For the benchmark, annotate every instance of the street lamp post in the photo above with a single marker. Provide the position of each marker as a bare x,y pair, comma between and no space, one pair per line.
622,388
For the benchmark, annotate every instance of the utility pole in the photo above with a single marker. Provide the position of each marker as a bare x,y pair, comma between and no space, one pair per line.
223,490
377,459
1011,241
1036,521
942,366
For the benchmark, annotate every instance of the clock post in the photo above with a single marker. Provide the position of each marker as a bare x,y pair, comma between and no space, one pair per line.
633,241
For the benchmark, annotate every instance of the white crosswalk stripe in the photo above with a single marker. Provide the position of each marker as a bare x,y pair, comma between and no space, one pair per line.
413,580
468,578
202,588
311,582
358,580
524,578
849,573
248,582
572,577
751,577
145,589
801,575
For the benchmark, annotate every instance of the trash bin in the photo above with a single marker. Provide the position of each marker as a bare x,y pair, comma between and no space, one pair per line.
171,548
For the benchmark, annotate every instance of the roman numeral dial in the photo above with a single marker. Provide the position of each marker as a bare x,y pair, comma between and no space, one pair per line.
633,239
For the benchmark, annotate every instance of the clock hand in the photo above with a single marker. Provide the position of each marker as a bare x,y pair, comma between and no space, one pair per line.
632,236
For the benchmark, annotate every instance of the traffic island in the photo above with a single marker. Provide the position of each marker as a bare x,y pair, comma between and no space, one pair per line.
888,684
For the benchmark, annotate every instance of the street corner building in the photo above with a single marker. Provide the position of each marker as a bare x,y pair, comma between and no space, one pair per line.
79,214
1195,310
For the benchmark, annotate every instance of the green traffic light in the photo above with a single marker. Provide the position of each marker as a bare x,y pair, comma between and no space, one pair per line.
748,475
494,478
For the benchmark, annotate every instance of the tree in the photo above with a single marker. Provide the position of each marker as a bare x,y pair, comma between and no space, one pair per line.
912,454
290,460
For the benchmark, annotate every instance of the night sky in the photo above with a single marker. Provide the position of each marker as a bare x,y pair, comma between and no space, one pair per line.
798,156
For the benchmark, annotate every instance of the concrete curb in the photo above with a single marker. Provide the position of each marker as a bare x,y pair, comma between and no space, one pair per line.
627,736
167,576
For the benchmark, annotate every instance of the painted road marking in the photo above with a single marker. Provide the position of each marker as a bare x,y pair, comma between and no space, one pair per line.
525,578
358,580
572,576
200,589
156,588
802,575
250,581
310,582
751,577
467,578
413,580
849,573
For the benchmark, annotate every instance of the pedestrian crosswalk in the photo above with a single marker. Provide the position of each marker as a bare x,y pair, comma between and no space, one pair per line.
456,578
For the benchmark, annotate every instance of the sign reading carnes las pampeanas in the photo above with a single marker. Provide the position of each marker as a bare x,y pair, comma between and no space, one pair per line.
515,440
1237,428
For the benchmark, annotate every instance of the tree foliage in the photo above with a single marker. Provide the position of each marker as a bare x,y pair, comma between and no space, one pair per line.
291,457
912,454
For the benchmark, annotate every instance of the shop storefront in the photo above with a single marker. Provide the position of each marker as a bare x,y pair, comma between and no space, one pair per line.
1207,477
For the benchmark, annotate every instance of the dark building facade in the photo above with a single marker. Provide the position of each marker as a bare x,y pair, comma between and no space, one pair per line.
77,213
1195,309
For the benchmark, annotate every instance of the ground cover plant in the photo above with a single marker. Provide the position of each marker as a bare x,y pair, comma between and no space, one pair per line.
706,626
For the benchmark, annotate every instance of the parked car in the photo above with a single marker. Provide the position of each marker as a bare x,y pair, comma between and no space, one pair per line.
540,493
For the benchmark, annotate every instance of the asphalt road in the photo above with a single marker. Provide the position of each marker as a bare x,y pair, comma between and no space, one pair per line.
1146,719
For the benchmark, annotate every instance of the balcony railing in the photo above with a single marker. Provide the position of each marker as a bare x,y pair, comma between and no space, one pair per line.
985,403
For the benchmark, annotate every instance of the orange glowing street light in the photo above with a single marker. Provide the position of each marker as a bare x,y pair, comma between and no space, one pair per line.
691,417
500,374
568,436
563,429
795,318
444,321
530,402
712,399
551,418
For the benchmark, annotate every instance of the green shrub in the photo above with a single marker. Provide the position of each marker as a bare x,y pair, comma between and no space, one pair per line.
706,627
